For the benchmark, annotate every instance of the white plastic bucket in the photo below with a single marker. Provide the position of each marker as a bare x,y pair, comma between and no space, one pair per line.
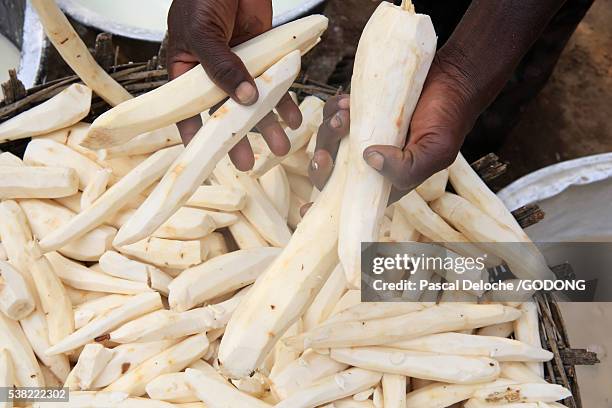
146,19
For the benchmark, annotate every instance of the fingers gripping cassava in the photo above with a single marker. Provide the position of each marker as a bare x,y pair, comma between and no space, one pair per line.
194,92
386,85
224,129
288,287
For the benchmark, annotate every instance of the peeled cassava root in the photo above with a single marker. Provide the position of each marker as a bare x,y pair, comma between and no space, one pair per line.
380,114
64,109
74,51
223,305
289,285
195,92
218,135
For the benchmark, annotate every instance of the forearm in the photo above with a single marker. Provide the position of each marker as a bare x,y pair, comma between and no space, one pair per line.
491,40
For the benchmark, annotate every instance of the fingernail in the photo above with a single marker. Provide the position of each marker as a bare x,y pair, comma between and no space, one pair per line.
304,209
246,93
314,165
375,160
344,103
336,121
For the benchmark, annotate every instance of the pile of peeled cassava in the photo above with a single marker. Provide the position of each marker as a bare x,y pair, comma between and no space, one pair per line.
141,273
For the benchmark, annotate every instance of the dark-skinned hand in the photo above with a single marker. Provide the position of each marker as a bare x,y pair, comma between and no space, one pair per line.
439,124
202,32
467,74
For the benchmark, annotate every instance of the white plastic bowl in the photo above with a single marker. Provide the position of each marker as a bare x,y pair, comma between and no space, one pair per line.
146,19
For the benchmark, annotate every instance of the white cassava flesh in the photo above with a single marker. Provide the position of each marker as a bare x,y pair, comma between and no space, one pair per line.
64,109
221,219
245,235
53,297
523,257
283,355
136,306
145,143
101,399
126,357
74,135
520,373
527,330
96,187
195,92
121,166
119,266
331,388
113,199
72,202
171,387
444,395
16,235
174,359
431,320
470,186
498,348
218,198
46,216
9,159
258,209
286,289
81,277
429,366
385,89
78,297
42,152
92,361
372,310
187,224
7,375
312,116
216,245
76,54
528,392
301,186
26,370
475,403
303,372
216,392
37,182
219,134
432,226
326,299
394,390
401,229
498,330
276,186
434,186
87,311
3,256
166,324
16,300
219,276
297,163
351,297
166,253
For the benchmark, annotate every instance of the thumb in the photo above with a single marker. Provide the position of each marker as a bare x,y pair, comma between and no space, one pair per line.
225,68
407,168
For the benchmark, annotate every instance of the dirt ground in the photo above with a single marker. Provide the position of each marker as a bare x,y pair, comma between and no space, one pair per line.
570,118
